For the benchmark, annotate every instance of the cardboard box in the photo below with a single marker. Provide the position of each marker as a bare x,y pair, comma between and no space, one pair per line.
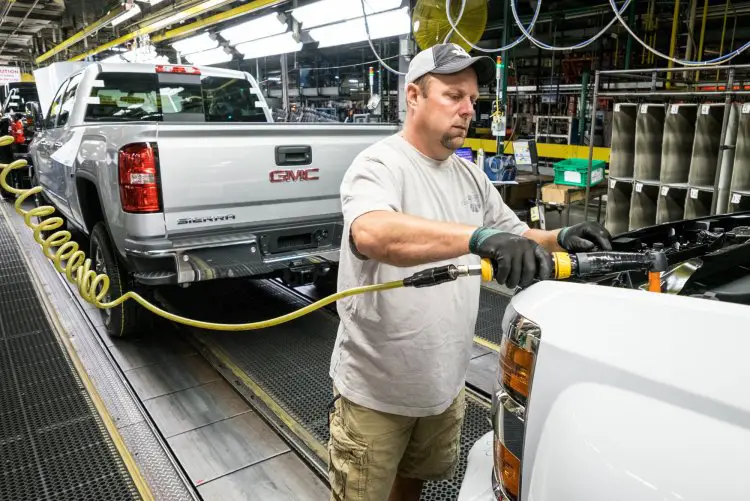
557,193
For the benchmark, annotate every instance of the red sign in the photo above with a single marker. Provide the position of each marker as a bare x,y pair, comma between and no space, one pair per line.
285,176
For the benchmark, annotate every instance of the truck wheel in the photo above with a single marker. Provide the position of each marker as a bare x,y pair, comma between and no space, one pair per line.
129,318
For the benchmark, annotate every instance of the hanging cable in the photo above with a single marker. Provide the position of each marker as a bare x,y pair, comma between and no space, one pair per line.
717,60
580,45
369,40
518,40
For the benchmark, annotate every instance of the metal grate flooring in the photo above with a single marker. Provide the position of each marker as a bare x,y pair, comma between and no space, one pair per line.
491,310
291,361
53,444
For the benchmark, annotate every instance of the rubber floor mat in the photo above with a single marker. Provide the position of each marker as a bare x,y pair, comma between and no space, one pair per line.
53,443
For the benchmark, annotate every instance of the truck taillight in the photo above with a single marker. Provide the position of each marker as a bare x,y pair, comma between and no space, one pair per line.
185,70
139,179
518,352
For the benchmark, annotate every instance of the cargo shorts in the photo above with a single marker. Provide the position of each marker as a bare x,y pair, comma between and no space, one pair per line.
368,448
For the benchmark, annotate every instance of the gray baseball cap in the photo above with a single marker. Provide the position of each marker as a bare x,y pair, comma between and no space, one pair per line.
449,58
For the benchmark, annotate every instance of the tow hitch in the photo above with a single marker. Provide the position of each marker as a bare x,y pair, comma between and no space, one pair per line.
306,271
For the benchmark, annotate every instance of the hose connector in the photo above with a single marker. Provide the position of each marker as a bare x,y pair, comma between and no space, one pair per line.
435,276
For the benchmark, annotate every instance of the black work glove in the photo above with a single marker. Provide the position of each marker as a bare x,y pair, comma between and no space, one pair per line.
584,237
516,260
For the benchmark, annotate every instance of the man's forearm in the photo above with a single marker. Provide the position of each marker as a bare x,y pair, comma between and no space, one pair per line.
547,239
403,240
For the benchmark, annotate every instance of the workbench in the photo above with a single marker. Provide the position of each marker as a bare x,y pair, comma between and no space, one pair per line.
521,189
561,197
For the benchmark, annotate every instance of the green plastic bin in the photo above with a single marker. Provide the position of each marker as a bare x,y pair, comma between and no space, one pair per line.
572,172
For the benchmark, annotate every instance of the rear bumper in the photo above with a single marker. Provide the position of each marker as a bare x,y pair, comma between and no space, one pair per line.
232,255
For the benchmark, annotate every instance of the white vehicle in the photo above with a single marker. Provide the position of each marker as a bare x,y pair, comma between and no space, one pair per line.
608,392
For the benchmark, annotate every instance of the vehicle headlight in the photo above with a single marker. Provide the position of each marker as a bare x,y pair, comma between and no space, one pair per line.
518,351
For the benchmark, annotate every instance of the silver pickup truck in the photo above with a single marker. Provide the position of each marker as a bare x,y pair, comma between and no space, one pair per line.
177,174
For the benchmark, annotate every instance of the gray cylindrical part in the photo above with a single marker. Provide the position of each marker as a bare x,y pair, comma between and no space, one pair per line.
677,145
595,263
649,132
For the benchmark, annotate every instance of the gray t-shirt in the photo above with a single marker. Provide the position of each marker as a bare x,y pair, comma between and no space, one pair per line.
406,351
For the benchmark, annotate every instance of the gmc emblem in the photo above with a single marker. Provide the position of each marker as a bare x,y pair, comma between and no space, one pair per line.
284,176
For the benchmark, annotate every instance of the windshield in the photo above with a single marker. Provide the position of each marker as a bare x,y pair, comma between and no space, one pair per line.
125,97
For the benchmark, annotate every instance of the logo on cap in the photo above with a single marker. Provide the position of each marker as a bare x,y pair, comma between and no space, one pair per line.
459,51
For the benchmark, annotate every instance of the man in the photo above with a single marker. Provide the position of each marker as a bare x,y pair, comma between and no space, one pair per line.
400,358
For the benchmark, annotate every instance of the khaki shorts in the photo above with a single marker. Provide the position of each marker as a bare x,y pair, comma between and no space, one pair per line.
368,448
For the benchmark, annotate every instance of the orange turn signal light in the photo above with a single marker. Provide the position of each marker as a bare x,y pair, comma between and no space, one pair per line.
516,365
508,470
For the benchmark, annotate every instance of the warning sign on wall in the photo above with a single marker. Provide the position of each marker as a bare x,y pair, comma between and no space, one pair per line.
9,74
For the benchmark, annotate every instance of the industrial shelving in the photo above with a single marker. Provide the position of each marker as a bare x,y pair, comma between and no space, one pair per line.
684,159
622,157
740,178
556,128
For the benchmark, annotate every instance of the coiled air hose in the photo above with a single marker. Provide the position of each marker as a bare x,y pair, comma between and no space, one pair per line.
93,287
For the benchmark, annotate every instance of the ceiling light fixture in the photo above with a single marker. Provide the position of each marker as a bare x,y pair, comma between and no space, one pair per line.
185,14
209,57
197,43
387,24
334,11
262,27
271,46
126,14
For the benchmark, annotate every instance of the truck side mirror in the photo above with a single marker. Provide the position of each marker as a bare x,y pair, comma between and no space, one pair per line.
36,114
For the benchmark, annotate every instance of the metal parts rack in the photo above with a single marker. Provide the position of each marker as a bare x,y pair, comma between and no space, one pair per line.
703,118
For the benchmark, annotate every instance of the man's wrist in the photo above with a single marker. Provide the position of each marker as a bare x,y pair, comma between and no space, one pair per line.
479,236
561,235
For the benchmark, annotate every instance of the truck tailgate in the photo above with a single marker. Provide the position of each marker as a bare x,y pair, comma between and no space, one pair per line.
245,175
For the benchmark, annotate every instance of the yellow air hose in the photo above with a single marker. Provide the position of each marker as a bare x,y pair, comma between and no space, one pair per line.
93,287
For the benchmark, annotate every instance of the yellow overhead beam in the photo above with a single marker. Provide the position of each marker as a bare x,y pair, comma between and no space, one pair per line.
79,36
215,19
562,151
208,5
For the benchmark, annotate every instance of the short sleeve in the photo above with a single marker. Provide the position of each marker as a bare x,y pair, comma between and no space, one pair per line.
498,215
369,185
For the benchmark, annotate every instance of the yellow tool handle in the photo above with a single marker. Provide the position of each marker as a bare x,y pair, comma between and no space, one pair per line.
561,262
562,265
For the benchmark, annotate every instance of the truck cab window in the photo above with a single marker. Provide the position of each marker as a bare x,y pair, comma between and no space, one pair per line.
124,97
66,106
54,109
181,102
121,97
230,100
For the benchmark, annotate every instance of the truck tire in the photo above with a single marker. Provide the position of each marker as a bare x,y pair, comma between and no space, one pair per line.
129,318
